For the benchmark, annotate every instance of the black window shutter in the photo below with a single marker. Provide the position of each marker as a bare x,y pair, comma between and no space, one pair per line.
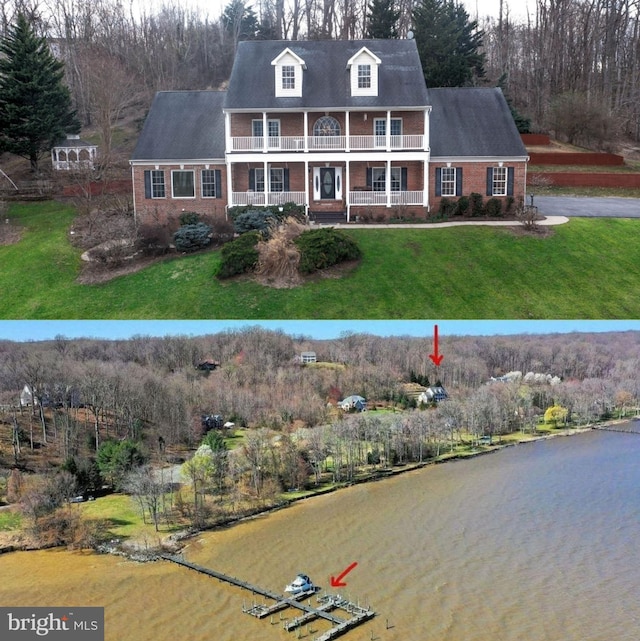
403,179
489,181
252,179
218,178
147,183
510,180
458,181
285,180
369,177
438,181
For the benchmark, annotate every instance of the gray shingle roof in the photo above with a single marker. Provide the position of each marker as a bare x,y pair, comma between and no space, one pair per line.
183,125
326,78
472,121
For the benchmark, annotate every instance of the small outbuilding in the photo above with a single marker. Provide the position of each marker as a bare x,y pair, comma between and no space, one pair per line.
73,153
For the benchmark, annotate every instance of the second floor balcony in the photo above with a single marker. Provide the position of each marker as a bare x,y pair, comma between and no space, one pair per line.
261,144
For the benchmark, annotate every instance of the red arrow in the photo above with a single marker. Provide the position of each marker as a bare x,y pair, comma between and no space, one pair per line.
339,583
435,357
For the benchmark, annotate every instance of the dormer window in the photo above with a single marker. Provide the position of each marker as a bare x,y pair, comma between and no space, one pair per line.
288,77
288,74
364,76
363,68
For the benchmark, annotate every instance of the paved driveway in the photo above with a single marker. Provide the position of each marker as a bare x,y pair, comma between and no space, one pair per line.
580,206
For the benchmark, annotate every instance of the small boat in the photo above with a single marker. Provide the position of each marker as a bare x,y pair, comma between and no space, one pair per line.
302,583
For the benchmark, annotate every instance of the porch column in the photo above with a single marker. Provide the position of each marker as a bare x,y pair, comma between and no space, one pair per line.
388,131
229,184
306,133
267,183
347,131
347,185
227,132
387,183
425,185
426,137
265,137
307,195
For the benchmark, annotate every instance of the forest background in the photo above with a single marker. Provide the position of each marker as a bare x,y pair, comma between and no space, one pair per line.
564,58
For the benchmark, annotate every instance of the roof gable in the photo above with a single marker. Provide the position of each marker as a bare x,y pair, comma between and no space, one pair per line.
288,56
183,125
474,122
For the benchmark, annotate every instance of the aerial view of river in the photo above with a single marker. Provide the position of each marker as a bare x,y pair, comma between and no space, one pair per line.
537,542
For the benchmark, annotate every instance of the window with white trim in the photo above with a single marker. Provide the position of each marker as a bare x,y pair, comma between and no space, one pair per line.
208,178
288,77
183,184
364,76
273,128
157,184
380,131
379,179
499,181
276,179
259,178
448,181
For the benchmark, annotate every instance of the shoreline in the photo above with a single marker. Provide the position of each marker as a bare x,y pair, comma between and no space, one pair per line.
177,541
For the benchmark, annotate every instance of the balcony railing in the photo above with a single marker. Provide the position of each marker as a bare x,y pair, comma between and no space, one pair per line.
326,143
373,198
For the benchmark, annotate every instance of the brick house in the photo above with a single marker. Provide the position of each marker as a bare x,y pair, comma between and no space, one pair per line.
346,128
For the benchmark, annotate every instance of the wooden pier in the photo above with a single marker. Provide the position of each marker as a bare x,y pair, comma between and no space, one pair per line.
327,603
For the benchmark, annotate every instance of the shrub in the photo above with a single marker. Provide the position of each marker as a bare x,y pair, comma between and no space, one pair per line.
254,220
462,206
191,238
153,240
239,256
493,207
322,248
475,200
279,256
508,206
189,218
447,207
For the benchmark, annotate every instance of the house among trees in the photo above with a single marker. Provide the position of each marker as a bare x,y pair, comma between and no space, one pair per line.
346,128
353,403
433,394
308,357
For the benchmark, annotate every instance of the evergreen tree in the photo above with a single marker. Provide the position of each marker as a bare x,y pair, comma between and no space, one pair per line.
382,19
522,122
35,104
448,43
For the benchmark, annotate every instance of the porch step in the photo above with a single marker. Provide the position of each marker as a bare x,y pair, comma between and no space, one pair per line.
328,217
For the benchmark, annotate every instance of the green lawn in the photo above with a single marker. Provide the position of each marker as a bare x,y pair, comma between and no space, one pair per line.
586,269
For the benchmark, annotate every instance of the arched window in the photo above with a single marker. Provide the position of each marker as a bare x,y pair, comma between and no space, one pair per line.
326,126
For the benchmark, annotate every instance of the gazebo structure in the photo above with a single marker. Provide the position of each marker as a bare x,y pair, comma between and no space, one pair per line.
73,153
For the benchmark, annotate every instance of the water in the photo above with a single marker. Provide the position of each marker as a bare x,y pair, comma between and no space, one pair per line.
536,542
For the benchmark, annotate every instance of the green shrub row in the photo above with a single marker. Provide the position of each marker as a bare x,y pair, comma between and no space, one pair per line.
323,248
474,205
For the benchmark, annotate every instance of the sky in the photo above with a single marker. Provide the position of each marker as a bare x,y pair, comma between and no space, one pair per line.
46,330
479,8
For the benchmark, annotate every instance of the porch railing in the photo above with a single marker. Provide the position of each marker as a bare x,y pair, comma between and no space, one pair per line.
261,199
325,143
377,198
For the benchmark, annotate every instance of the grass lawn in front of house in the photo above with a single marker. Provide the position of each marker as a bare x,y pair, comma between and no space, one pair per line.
587,268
